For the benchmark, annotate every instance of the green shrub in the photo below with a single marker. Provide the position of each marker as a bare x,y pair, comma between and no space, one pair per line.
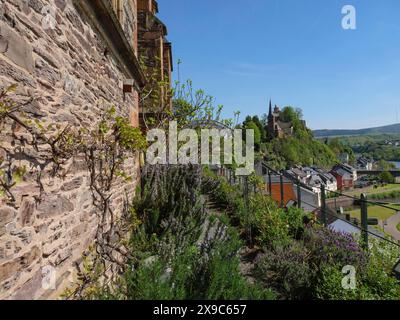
373,282
334,248
271,225
287,270
330,287
378,278
387,177
385,195
226,282
195,274
178,252
266,221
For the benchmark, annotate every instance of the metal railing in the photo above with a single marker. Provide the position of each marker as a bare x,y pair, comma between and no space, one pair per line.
272,178
327,213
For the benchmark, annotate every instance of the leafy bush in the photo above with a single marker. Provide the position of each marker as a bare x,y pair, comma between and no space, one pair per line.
385,195
300,149
330,287
271,225
263,221
195,274
228,198
178,252
378,277
334,248
311,267
225,280
170,206
374,280
387,177
287,270
373,284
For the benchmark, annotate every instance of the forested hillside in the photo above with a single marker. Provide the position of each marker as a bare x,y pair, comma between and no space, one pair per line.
391,129
378,147
300,148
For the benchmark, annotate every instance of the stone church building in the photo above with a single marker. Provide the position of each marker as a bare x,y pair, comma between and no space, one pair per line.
276,128
75,58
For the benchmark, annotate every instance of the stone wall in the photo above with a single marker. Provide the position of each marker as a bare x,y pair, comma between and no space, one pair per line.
58,56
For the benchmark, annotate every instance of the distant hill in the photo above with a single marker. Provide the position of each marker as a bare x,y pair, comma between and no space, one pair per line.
391,129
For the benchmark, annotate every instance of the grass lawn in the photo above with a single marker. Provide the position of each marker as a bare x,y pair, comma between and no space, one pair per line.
398,227
375,212
372,190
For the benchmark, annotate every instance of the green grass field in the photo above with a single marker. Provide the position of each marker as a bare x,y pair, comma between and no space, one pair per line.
375,212
398,227
372,190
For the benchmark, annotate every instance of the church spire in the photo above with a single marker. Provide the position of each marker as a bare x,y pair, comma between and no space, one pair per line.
270,108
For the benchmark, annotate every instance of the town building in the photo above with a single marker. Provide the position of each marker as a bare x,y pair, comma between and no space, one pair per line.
313,177
76,59
298,174
364,163
310,200
345,175
328,180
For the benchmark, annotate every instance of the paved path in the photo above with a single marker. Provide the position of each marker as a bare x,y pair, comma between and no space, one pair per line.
391,227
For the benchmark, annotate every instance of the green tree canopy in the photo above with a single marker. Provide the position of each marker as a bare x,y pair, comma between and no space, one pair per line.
257,134
384,165
387,177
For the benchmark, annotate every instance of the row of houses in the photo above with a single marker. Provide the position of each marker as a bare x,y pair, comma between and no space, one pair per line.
346,176
395,143
304,184
362,163
313,177
341,177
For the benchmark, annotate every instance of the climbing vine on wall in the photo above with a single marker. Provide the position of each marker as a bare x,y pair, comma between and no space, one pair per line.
106,150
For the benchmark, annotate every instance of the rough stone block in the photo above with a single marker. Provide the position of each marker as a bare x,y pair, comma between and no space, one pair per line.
36,5
30,289
73,184
63,256
78,230
22,5
7,214
49,250
8,269
54,205
33,109
16,48
16,75
26,212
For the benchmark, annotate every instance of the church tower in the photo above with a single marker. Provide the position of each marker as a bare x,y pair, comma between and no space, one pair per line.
271,122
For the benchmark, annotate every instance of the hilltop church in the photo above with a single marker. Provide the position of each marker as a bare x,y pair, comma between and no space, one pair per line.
277,128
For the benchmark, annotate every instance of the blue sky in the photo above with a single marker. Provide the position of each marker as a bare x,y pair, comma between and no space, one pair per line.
294,51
